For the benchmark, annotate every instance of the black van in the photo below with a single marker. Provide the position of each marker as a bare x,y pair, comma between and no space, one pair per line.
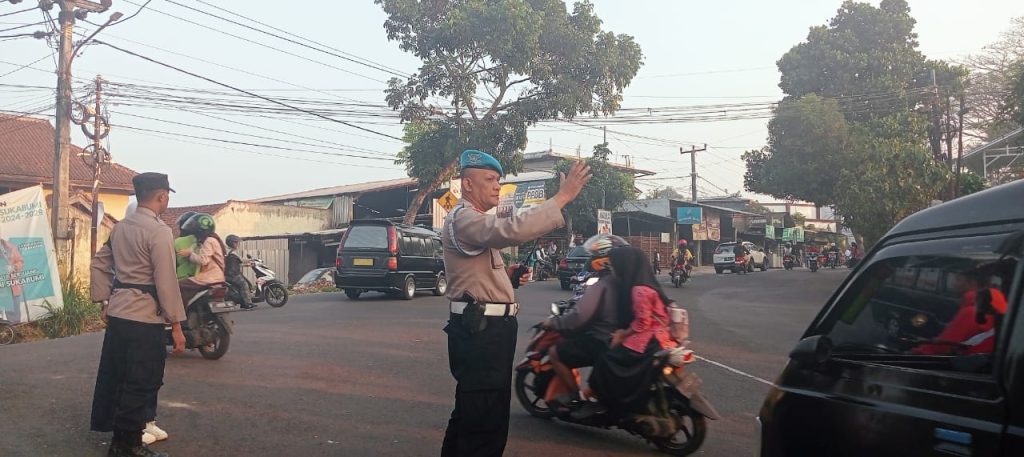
921,350
381,256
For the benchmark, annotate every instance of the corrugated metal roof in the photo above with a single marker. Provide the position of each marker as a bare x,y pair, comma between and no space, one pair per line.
343,190
26,152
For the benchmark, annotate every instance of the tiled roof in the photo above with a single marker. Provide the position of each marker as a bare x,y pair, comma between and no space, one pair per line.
26,152
171,215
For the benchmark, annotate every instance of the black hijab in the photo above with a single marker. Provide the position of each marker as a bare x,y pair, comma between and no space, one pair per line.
632,268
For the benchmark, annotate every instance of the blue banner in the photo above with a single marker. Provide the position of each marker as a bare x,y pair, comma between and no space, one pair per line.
688,215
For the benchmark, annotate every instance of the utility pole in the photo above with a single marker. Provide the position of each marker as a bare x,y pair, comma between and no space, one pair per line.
98,158
960,145
61,212
60,208
936,129
693,168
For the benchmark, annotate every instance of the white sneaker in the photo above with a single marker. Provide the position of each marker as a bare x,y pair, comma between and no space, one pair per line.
157,432
148,439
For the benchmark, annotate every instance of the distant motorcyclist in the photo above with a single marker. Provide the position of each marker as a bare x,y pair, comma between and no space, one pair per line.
740,252
682,255
591,321
233,265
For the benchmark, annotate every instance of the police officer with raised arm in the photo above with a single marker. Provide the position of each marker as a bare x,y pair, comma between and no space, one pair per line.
482,325
134,273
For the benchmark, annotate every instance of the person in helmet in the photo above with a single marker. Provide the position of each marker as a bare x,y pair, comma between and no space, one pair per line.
233,265
591,322
682,255
207,255
183,267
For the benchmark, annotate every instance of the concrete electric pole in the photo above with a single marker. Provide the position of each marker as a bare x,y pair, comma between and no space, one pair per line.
693,167
60,209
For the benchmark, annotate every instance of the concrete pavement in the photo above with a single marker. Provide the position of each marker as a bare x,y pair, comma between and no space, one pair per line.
330,376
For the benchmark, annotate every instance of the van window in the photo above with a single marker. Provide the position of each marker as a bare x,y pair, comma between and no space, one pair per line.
367,237
437,248
934,298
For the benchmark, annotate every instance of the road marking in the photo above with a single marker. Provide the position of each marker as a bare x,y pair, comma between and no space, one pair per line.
728,368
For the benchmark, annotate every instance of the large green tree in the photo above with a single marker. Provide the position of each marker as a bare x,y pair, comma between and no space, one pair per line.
808,141
608,189
893,179
860,104
492,68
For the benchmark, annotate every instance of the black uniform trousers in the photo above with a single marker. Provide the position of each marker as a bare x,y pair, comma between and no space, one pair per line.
130,375
482,366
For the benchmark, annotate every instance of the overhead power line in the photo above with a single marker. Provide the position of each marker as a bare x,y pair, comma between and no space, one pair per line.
341,54
212,81
251,41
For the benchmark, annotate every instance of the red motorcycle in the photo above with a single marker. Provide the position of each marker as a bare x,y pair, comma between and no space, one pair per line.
676,417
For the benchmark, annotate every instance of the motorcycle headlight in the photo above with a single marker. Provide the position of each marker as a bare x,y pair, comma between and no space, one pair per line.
554,309
591,281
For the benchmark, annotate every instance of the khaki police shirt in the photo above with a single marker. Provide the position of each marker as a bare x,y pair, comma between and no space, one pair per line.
143,253
484,276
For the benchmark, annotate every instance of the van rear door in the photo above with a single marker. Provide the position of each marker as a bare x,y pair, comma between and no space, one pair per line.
365,250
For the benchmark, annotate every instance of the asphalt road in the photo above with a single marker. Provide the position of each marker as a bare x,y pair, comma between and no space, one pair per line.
330,376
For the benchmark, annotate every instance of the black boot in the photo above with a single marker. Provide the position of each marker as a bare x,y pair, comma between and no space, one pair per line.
129,444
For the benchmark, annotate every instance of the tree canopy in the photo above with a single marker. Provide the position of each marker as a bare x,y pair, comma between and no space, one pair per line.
608,189
490,69
857,125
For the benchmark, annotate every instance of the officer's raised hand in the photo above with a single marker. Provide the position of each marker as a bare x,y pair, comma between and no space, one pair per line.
572,183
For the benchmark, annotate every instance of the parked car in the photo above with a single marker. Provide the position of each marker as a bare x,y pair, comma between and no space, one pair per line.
397,259
725,260
871,375
576,261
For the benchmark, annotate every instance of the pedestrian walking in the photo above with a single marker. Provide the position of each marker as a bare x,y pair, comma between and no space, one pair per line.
133,274
656,262
482,324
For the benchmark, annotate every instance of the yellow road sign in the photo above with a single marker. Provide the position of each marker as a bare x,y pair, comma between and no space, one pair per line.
447,201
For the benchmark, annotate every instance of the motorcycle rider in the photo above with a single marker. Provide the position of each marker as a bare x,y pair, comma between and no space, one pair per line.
620,377
209,256
741,252
591,322
682,255
183,267
833,249
233,265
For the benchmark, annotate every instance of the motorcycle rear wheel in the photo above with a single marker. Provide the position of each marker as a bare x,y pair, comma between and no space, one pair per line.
691,434
527,383
219,347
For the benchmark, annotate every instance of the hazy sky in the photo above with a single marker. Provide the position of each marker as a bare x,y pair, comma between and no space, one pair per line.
695,53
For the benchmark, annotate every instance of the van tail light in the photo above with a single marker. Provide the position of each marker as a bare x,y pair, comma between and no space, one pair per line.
392,242
393,263
564,264
339,262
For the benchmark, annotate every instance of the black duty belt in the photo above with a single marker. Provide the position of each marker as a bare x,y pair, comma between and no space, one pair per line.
146,288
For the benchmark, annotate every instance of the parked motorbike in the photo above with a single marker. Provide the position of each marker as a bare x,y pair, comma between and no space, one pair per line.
268,287
680,273
812,262
675,419
207,327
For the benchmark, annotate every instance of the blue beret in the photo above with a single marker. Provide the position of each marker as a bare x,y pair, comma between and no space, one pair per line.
471,158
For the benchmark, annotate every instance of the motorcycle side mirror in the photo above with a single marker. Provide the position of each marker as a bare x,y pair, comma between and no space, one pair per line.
812,351
248,256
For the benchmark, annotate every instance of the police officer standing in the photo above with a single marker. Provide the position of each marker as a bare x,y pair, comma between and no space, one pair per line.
482,325
134,273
